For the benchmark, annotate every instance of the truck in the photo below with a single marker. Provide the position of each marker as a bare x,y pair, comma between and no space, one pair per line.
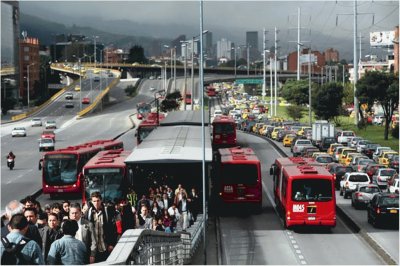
322,129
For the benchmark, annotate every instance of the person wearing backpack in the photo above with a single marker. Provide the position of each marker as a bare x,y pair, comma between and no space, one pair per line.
15,248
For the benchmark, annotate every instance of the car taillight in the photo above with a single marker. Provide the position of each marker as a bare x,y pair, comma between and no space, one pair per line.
378,210
334,176
379,178
347,184
359,168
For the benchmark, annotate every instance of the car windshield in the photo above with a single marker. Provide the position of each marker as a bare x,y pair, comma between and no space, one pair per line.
60,169
388,172
347,134
371,190
365,162
107,181
239,174
46,141
224,128
358,178
324,159
389,201
342,170
311,190
302,142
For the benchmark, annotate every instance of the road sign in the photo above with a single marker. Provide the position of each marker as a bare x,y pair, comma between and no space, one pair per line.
249,81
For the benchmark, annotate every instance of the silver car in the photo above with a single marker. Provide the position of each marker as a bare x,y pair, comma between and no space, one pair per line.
18,132
36,122
363,194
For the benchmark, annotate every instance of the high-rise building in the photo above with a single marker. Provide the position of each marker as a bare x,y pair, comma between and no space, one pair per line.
224,49
252,40
9,47
209,45
28,59
177,43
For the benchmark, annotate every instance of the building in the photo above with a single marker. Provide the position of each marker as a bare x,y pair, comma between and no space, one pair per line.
224,49
252,41
331,55
317,61
396,50
209,51
9,48
113,56
177,43
29,65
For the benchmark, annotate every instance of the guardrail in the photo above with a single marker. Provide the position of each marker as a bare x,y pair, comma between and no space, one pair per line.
138,246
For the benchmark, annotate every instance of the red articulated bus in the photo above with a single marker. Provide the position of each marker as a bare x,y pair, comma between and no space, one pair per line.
305,195
188,98
148,125
211,92
238,175
62,168
224,132
107,173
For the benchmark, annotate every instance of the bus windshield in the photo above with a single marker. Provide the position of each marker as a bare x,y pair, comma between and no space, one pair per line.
143,132
107,181
60,169
224,129
239,174
311,190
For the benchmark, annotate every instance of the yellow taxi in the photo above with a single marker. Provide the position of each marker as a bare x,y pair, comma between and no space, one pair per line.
350,156
302,129
77,88
288,139
274,133
332,147
343,154
262,129
386,157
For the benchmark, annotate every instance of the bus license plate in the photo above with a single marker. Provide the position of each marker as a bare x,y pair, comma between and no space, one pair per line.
60,190
311,218
393,211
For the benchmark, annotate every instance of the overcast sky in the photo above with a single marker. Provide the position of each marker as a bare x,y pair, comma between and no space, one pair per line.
237,16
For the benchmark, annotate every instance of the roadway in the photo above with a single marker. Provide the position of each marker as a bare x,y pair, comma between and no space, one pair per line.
245,238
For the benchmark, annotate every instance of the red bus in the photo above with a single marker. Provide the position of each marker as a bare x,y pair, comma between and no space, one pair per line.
211,92
188,98
148,125
224,132
107,173
306,196
142,110
238,175
61,169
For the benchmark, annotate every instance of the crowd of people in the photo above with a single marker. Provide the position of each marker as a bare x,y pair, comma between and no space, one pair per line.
68,233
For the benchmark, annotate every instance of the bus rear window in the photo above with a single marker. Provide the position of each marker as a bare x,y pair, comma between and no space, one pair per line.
358,178
239,174
311,190
224,129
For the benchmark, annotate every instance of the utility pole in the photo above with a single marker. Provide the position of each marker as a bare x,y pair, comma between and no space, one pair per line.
264,75
175,68
276,78
192,75
298,44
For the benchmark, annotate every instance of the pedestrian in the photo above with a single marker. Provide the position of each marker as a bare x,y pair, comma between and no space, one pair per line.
85,232
144,219
132,197
167,221
184,209
174,214
68,250
104,221
127,216
143,201
42,220
155,211
31,253
50,233
65,209
166,202
195,203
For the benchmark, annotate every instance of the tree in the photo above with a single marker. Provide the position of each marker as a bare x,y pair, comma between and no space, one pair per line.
295,91
295,112
327,100
380,87
136,54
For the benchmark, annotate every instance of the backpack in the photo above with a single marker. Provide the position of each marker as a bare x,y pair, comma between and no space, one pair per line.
12,252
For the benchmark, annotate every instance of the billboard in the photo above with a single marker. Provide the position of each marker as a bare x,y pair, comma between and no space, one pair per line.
381,38
305,58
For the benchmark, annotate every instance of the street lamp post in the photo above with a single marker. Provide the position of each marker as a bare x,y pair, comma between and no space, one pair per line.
174,68
94,53
264,76
28,89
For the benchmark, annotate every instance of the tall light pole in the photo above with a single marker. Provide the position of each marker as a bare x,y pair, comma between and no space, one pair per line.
94,53
270,85
28,89
174,68
192,74
309,83
234,50
185,43
264,88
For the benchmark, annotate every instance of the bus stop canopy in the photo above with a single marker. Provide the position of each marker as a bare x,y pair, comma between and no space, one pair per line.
188,117
173,144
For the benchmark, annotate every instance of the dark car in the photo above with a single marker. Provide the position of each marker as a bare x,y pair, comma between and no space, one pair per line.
282,134
383,209
326,143
371,168
370,149
338,170
394,163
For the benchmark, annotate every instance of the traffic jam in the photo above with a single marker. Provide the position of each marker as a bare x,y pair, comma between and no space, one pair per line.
325,164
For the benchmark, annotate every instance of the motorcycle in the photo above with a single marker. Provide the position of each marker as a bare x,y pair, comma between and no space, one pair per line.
10,163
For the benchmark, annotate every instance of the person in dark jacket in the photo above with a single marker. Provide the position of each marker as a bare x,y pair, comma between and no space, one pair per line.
104,221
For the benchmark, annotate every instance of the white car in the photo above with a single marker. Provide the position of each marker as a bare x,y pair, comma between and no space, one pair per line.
217,112
395,187
378,119
345,136
46,144
18,132
69,95
349,182
50,124
36,122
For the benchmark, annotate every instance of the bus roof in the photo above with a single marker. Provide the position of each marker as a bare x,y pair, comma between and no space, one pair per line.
182,118
223,119
175,144
307,171
109,158
238,155
88,147
151,119
285,161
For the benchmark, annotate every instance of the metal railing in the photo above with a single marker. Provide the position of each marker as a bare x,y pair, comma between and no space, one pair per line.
138,246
